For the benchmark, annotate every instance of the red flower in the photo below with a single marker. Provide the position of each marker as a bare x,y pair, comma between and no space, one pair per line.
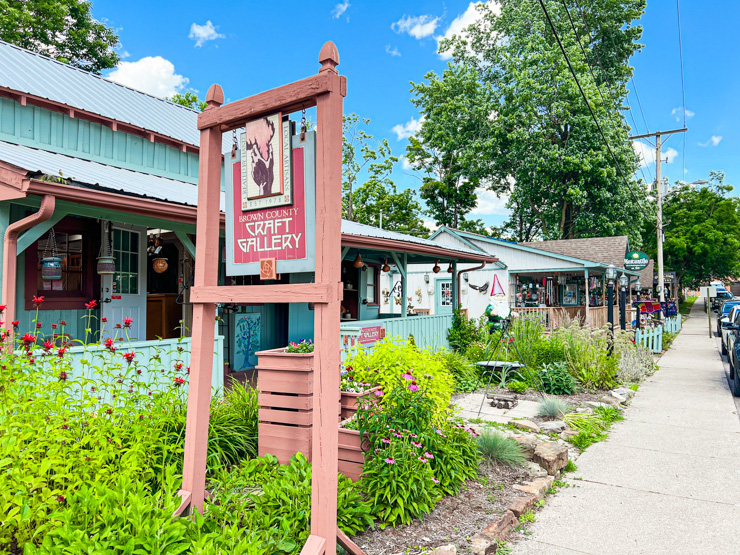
38,325
129,357
108,411
28,339
104,319
15,323
127,322
48,345
61,351
61,498
37,300
3,307
179,381
65,427
62,376
118,326
62,323
53,326
108,343
92,304
178,366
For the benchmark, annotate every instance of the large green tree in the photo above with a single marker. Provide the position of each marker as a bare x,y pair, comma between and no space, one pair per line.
61,29
529,125
368,189
702,232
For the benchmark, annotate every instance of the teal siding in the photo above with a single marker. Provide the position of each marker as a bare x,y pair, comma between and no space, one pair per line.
428,331
300,318
36,127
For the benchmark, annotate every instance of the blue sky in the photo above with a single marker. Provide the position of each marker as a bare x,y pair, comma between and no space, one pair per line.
248,47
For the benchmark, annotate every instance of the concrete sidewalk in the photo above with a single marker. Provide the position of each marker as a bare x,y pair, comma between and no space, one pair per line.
668,478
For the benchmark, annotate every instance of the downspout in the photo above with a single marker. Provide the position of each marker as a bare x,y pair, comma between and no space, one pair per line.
482,265
10,262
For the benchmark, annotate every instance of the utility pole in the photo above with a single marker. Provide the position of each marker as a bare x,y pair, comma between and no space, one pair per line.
659,193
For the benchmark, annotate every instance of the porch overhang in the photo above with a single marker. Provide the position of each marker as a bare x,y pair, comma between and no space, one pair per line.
418,253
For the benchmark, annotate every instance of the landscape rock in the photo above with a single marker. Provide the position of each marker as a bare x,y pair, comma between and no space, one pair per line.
521,505
450,549
480,544
585,410
619,397
610,401
554,426
624,392
499,529
551,456
538,487
567,434
596,405
534,469
528,445
526,425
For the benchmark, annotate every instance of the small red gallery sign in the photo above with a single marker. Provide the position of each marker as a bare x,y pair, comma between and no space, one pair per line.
371,334
271,232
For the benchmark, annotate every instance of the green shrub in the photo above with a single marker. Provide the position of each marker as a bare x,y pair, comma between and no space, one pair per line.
463,371
517,387
392,358
477,351
609,414
587,355
552,408
583,440
464,331
584,422
501,449
556,380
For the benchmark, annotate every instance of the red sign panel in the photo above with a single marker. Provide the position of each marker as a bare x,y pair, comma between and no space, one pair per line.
279,232
371,334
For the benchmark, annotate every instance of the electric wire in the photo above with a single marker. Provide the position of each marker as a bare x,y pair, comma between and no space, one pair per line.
593,114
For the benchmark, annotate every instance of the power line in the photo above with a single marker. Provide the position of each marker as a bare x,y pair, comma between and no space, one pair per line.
588,104
683,88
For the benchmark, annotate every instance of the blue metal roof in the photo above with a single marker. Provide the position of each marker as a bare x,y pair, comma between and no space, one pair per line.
37,75
101,175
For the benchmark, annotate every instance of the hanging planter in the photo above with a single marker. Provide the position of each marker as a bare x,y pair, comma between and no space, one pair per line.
106,262
51,266
160,265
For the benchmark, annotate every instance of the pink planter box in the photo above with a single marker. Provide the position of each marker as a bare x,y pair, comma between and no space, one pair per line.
350,401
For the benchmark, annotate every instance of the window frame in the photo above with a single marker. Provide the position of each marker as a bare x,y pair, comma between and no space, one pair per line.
375,268
66,300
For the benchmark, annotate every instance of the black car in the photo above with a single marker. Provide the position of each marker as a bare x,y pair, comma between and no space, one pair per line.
722,296
733,347
723,312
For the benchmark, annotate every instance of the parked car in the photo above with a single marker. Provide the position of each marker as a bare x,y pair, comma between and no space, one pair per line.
724,312
733,318
722,296
733,347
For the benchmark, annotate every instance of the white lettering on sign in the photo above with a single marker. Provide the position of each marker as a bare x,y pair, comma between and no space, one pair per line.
270,230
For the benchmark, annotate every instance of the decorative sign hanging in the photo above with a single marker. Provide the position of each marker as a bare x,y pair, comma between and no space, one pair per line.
636,261
271,207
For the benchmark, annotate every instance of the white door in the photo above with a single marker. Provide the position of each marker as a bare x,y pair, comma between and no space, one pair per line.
124,293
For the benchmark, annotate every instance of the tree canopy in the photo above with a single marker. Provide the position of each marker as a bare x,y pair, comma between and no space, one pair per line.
510,113
61,29
702,232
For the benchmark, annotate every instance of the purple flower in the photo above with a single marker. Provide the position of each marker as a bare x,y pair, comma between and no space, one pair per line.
440,432
385,440
435,480
414,435
423,459
408,377
416,444
428,455
396,434
390,460
379,393
414,387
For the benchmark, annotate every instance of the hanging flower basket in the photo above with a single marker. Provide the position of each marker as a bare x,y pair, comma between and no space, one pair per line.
106,262
51,268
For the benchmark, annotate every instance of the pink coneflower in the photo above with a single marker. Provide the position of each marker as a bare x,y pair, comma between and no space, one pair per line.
435,480
416,444
396,434
385,440
423,459
408,377
390,460
379,393
414,436
413,386
440,432
428,455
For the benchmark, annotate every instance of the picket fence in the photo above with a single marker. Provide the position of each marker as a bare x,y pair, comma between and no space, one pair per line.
673,324
650,338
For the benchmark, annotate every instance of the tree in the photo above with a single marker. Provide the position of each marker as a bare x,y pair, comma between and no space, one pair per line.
702,232
535,128
61,29
190,100
448,147
364,156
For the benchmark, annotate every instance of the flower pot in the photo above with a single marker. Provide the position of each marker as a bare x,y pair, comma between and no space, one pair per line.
106,265
350,401
51,268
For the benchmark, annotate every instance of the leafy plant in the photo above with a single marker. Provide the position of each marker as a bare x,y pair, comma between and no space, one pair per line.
465,331
583,440
517,387
556,380
463,372
609,414
552,408
496,447
583,422
304,346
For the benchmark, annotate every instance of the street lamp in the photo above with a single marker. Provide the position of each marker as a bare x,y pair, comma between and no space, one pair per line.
623,283
638,286
611,276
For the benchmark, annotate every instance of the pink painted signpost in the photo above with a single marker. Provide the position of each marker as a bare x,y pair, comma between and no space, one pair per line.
325,91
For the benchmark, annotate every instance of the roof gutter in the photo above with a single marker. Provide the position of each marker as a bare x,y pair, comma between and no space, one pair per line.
480,267
377,243
10,253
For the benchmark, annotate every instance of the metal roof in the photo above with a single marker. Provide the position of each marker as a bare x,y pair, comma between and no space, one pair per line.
362,230
101,175
37,75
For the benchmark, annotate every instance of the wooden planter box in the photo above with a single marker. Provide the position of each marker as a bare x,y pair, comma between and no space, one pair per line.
351,453
350,401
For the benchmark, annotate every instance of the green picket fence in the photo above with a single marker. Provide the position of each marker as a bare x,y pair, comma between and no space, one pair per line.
651,338
673,324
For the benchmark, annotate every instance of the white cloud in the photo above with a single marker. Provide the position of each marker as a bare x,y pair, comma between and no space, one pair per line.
431,226
418,26
201,34
405,130
714,141
490,204
465,20
678,113
392,51
152,74
339,9
405,164
646,153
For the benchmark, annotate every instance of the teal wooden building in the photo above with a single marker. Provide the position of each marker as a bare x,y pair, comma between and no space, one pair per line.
90,168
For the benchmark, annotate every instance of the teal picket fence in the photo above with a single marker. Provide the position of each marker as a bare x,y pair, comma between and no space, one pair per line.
673,324
650,338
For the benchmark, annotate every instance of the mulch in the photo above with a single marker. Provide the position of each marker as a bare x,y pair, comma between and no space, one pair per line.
455,519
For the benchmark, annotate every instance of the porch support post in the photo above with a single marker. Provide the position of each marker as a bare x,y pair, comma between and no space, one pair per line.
588,312
345,251
402,271
204,314
186,242
405,287
4,223
455,279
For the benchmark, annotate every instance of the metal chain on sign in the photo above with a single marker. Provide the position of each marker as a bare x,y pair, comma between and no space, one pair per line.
235,145
304,125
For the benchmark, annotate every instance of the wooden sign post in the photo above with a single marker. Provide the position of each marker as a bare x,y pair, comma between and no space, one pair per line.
325,91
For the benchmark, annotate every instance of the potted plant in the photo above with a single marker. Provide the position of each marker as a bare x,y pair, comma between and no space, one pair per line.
351,392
